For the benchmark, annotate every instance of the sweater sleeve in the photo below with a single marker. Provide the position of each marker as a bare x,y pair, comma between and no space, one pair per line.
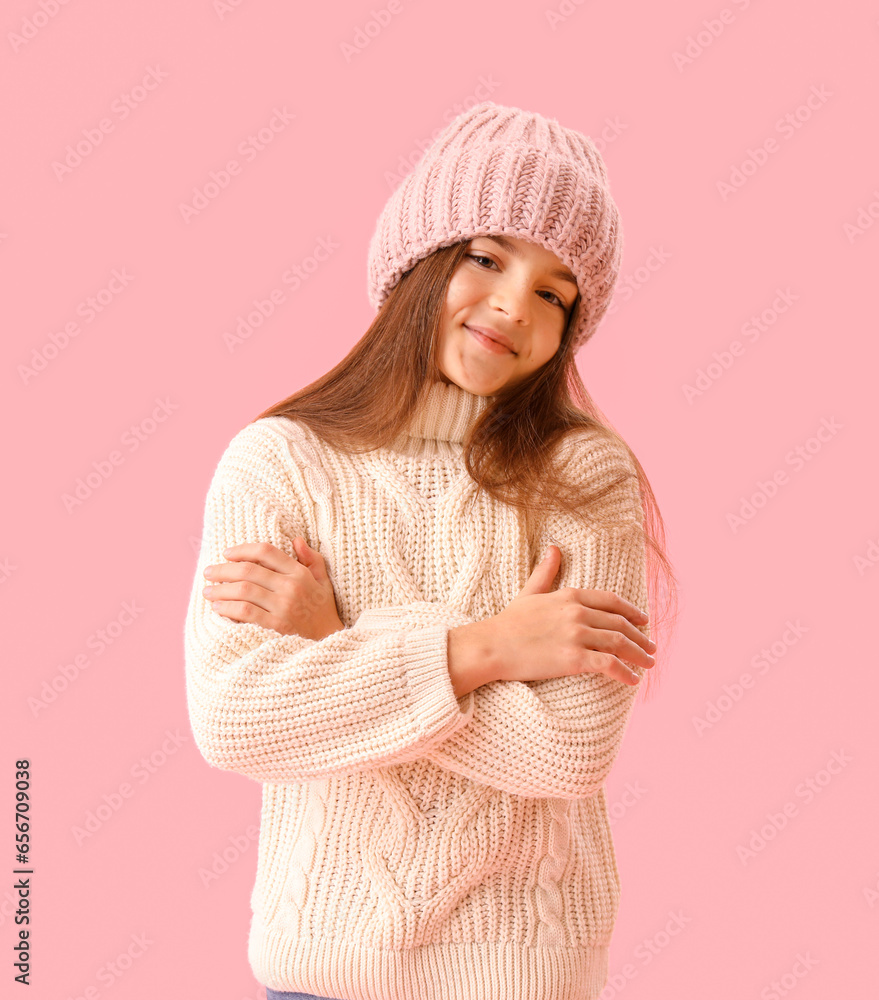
556,738
283,708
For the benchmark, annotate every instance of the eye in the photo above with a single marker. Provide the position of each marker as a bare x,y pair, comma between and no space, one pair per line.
480,256
558,300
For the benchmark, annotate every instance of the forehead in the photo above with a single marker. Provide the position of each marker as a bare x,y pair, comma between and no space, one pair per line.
517,248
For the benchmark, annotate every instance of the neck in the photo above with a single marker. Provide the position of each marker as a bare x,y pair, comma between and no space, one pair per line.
446,412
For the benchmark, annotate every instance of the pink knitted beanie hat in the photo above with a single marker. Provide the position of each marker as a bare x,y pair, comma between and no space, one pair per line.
501,170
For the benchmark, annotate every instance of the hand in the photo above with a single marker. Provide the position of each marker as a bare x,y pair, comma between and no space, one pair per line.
543,633
263,585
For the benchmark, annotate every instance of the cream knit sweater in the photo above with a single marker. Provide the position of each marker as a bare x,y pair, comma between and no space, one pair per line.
413,846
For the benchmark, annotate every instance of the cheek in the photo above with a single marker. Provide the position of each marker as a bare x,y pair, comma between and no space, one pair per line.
461,293
546,348
468,284
457,292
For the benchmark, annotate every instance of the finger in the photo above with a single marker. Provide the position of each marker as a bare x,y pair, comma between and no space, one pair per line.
616,642
613,622
239,593
311,559
245,572
628,676
607,600
614,668
263,554
543,574
242,611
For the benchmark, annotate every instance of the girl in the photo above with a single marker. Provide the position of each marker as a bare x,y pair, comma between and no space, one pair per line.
424,624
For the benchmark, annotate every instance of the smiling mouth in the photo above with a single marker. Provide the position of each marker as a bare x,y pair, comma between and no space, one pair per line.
490,345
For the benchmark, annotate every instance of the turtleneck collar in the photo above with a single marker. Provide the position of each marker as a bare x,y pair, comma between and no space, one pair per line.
446,412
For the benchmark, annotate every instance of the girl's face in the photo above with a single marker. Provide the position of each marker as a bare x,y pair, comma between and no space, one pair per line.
514,290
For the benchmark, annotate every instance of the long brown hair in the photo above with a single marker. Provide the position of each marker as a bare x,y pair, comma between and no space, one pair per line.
367,400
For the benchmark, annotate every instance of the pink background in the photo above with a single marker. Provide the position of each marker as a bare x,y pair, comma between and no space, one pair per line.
698,917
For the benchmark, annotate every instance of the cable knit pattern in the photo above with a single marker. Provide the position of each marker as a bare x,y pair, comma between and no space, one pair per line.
413,846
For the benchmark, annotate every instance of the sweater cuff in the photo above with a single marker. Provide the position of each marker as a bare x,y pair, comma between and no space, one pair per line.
427,654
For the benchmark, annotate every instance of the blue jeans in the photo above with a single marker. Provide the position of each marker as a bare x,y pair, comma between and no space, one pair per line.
275,995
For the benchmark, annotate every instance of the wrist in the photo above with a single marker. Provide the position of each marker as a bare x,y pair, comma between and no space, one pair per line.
337,626
471,657
328,628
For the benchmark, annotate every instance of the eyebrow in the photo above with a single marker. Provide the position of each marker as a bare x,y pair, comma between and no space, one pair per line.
559,272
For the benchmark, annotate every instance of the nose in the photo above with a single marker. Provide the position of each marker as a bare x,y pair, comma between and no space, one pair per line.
512,298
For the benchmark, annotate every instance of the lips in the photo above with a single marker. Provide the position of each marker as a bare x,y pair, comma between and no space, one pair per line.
492,335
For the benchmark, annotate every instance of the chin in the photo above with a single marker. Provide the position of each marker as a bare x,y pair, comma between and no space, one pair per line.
478,387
